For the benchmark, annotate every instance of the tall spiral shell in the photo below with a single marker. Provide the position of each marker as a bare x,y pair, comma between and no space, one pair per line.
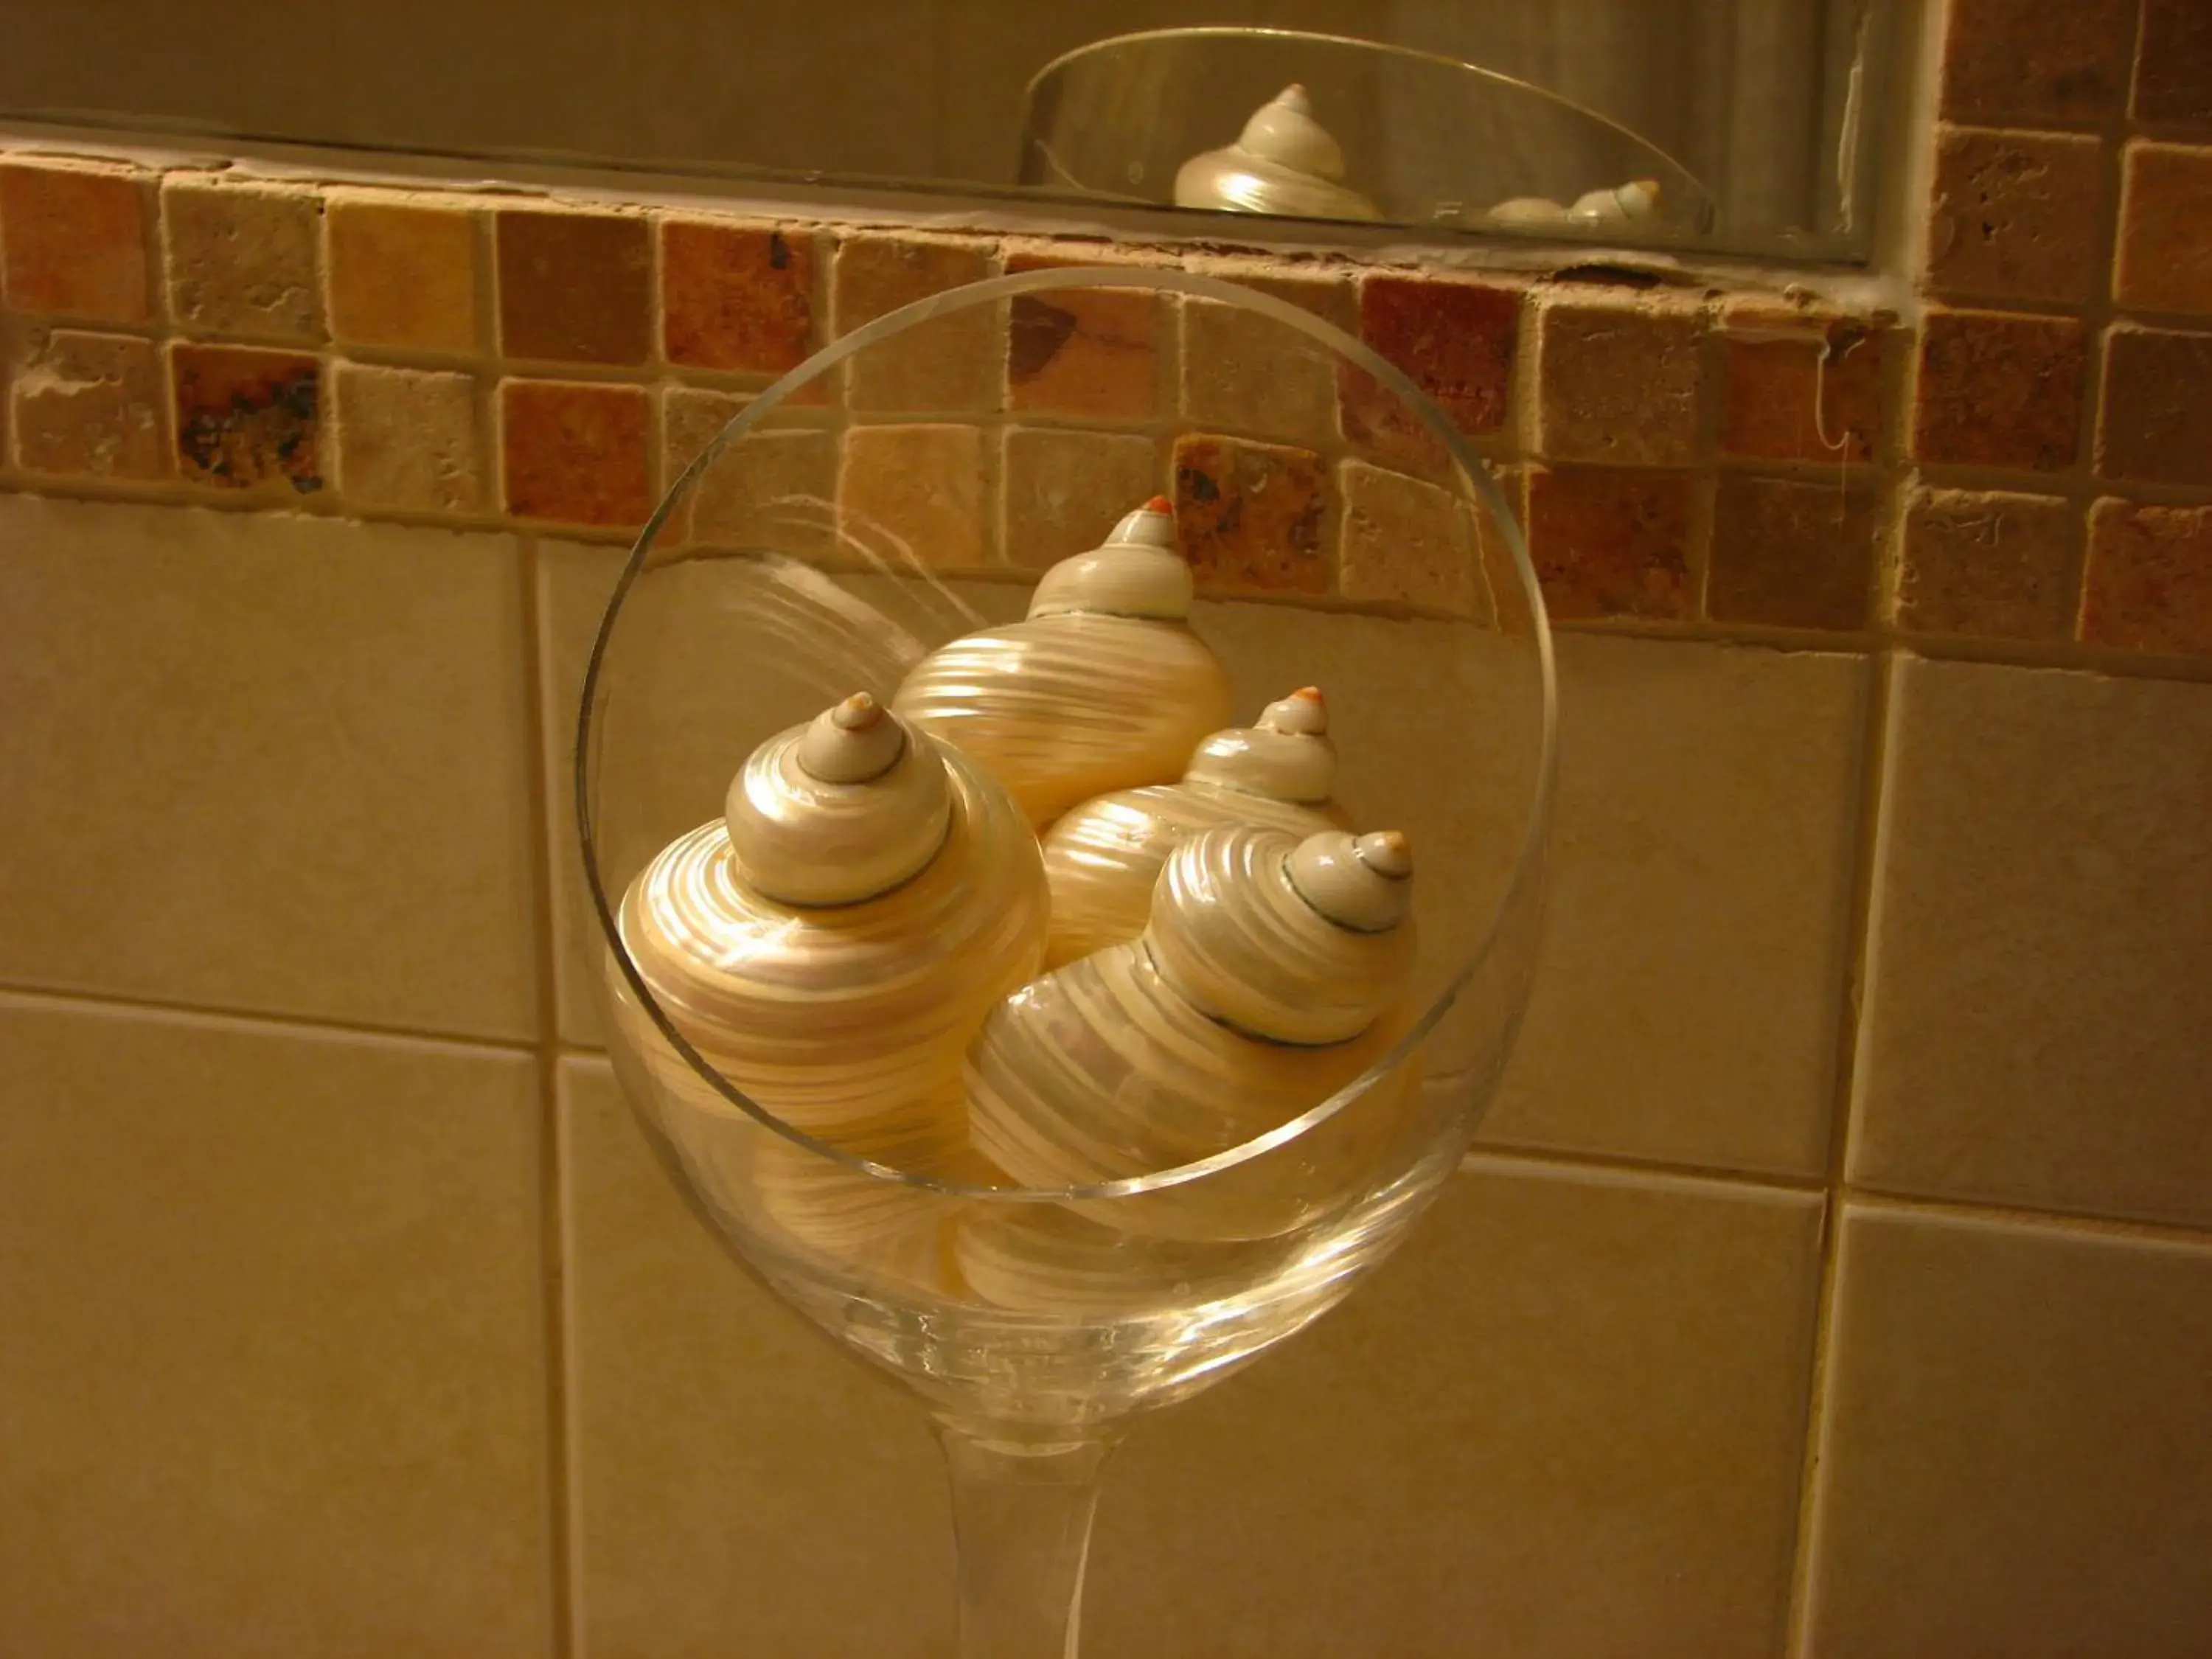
1104,857
1284,161
1269,977
1103,686
831,1014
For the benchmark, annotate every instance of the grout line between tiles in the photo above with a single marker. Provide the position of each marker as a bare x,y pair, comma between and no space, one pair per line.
1868,851
173,1008
562,1576
1619,1164
1878,1201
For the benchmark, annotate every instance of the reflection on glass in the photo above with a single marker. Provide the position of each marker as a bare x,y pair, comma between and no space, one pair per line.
1344,129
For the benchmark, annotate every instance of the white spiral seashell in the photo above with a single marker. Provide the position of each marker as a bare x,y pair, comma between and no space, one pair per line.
1104,686
1303,942
1155,1053
1283,131
838,811
1617,204
1284,161
1103,859
854,1010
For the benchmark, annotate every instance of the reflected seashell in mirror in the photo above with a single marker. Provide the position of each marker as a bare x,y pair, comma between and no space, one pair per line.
1103,686
1104,857
1285,161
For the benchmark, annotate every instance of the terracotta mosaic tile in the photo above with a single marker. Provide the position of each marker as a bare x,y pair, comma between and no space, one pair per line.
403,273
1252,516
246,418
73,243
1609,543
2015,215
2164,261
1792,554
2033,61
90,405
1455,339
1093,351
952,363
1405,543
2150,579
244,259
912,495
572,453
2155,421
2173,72
574,288
1618,377
1065,490
1799,386
1996,389
776,487
1241,372
736,297
1989,564
407,439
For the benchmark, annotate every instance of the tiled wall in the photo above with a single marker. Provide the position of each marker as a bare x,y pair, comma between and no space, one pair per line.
1835,1276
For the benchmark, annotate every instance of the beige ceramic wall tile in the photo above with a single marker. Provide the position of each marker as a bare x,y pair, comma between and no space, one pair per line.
2017,1457
738,1487
2038,1022
273,1376
1566,1421
265,762
1693,971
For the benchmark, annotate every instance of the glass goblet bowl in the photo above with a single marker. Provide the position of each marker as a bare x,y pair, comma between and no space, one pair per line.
902,491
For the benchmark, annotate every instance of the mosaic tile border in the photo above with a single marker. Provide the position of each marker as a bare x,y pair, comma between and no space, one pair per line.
2031,468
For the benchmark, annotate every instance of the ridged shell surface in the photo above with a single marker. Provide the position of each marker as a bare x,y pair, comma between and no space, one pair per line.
830,1016
1102,1070
1233,933
1104,858
1062,707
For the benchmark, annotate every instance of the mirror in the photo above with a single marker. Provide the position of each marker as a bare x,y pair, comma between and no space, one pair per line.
1741,126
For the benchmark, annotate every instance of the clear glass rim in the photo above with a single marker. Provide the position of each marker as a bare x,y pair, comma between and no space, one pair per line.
1523,880
1681,175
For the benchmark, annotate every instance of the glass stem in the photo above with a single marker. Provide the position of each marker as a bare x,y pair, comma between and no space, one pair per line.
1021,1518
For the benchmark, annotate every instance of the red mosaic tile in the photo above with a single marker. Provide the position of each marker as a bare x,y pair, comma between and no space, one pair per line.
2033,61
2164,261
1999,389
1456,340
1792,553
1252,515
73,243
574,454
736,297
2155,422
2173,71
1610,544
574,288
1799,386
2150,579
1090,351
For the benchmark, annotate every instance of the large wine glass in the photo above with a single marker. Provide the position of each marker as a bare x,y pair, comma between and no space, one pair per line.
904,487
